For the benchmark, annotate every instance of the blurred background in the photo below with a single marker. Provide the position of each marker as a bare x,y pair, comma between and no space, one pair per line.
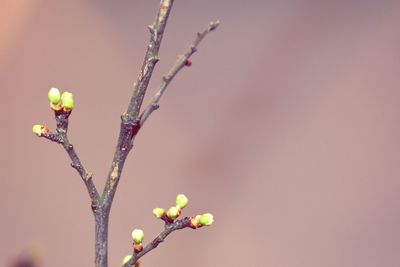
286,128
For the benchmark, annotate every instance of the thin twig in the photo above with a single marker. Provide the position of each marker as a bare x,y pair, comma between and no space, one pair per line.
181,62
129,123
169,228
61,137
157,31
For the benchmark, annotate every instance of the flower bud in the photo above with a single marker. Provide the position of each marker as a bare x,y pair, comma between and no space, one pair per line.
137,236
181,201
67,100
173,212
126,259
205,219
158,212
54,96
39,129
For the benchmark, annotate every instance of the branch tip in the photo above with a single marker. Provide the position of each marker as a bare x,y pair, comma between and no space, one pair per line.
214,25
181,62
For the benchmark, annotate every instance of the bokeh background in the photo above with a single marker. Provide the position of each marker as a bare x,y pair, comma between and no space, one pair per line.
286,128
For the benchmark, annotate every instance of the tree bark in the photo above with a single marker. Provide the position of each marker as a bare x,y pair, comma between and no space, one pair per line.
101,243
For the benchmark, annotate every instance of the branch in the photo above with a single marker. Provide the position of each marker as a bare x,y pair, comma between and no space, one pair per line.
183,60
129,120
61,137
151,58
169,228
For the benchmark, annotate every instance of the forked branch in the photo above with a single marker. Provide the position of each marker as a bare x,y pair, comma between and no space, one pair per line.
131,123
129,120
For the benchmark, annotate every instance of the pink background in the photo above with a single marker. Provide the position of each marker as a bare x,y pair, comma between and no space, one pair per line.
286,128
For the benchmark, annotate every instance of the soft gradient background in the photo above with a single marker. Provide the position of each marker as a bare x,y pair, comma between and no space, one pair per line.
286,128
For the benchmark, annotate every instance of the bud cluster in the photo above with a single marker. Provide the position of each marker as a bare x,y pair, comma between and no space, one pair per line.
173,212
58,101
61,103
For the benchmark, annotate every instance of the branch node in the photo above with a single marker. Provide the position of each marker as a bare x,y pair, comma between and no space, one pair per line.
154,59
88,176
114,176
151,28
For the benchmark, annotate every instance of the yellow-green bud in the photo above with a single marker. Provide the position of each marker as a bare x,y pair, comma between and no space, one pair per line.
67,100
54,96
158,212
173,212
39,129
181,201
137,236
126,259
205,219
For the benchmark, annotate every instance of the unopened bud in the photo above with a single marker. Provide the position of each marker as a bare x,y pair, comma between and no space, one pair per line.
158,212
54,96
39,129
173,212
205,219
67,100
181,201
137,236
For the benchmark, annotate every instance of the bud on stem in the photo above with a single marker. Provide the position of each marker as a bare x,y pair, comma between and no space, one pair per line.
158,212
67,100
137,236
173,212
181,201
